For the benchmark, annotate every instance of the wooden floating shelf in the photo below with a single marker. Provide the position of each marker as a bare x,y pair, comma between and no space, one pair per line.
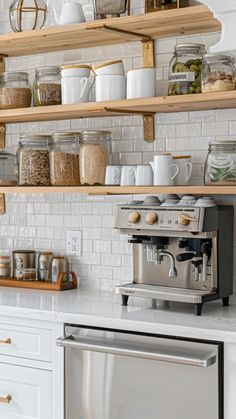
168,104
169,23
122,190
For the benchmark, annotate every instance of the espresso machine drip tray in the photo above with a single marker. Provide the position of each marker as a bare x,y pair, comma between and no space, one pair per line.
155,292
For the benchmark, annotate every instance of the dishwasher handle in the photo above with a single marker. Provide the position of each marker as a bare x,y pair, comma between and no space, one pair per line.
174,357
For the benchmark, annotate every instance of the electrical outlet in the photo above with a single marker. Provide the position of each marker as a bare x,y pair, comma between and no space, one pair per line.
74,243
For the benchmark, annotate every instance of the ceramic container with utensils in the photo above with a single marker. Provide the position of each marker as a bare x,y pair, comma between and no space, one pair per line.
164,170
144,175
141,82
113,175
76,82
185,170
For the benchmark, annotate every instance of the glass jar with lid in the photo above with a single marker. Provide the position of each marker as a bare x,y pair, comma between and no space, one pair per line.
64,159
15,90
186,69
94,156
8,169
106,8
218,73
220,167
157,5
33,160
47,86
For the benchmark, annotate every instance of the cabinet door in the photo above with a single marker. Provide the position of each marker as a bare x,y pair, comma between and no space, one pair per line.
25,393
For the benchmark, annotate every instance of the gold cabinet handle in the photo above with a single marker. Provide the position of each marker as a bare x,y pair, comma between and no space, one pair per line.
5,341
6,400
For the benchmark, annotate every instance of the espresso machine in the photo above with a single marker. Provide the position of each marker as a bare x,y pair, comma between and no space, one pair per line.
180,253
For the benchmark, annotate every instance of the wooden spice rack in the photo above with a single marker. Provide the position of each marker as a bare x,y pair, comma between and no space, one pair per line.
42,285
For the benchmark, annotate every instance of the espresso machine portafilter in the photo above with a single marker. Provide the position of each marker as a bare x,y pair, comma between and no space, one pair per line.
180,254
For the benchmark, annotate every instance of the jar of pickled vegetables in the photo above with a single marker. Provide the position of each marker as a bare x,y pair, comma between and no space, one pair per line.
218,73
186,69
220,167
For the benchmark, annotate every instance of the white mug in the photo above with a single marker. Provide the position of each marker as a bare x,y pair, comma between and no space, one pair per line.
185,170
113,175
141,83
144,175
128,175
76,84
110,87
163,169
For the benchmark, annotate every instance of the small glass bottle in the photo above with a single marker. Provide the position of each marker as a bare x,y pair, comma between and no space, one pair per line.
15,90
64,159
94,156
47,86
220,167
33,160
218,73
186,69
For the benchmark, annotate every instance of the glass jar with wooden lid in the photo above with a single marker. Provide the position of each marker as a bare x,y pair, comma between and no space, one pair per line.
64,159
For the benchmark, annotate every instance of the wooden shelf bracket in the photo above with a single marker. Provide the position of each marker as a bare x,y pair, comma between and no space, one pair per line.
2,138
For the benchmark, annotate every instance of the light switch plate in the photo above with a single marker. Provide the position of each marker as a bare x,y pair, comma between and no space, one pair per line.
74,243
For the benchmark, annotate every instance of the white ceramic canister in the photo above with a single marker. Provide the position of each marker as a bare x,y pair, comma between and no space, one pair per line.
141,82
76,83
110,68
110,87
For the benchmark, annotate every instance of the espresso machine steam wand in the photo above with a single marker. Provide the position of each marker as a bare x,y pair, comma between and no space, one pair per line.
156,255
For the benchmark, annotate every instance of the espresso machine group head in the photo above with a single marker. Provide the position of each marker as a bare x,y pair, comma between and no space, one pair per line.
181,254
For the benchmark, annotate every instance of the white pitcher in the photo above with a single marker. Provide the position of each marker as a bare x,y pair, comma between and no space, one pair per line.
71,12
163,169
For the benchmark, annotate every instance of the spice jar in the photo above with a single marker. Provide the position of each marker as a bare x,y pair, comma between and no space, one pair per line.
15,90
218,73
186,69
94,157
64,159
33,160
220,167
22,259
59,266
8,169
47,86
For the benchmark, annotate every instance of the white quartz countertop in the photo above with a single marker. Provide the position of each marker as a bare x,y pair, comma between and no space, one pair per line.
104,310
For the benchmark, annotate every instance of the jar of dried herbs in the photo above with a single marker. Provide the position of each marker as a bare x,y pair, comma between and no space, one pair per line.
47,86
33,160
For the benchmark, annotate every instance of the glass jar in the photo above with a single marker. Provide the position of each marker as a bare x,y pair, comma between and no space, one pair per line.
220,167
15,90
94,156
185,69
8,169
218,73
105,8
47,86
157,5
33,160
64,159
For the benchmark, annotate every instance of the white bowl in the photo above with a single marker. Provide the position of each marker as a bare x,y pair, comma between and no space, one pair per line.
110,68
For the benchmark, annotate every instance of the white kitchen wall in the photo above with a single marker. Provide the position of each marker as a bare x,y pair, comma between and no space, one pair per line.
41,221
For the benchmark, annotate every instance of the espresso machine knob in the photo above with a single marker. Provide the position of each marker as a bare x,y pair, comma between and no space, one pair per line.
151,218
184,219
134,217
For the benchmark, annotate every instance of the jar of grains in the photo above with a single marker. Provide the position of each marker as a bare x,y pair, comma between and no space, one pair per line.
186,69
33,160
218,73
15,90
94,157
64,159
47,86
220,167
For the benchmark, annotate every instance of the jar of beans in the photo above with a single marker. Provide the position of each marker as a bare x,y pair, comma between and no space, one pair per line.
33,160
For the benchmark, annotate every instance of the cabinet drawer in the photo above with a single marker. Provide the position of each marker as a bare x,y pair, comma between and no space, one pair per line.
26,342
29,391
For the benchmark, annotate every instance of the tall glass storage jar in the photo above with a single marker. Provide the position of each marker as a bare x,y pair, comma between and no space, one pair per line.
33,160
185,69
64,159
47,86
8,169
94,156
220,167
218,73
15,90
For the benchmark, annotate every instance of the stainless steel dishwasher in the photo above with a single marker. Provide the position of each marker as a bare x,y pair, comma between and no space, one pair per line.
118,375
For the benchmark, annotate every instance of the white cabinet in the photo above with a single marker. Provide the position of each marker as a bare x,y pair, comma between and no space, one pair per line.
30,392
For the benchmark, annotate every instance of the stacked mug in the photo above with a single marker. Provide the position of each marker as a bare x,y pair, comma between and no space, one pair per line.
110,81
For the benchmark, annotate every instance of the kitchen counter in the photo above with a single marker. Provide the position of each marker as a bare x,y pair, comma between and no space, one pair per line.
104,310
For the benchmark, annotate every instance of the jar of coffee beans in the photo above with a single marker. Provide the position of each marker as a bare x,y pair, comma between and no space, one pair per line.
64,159
47,86
33,160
